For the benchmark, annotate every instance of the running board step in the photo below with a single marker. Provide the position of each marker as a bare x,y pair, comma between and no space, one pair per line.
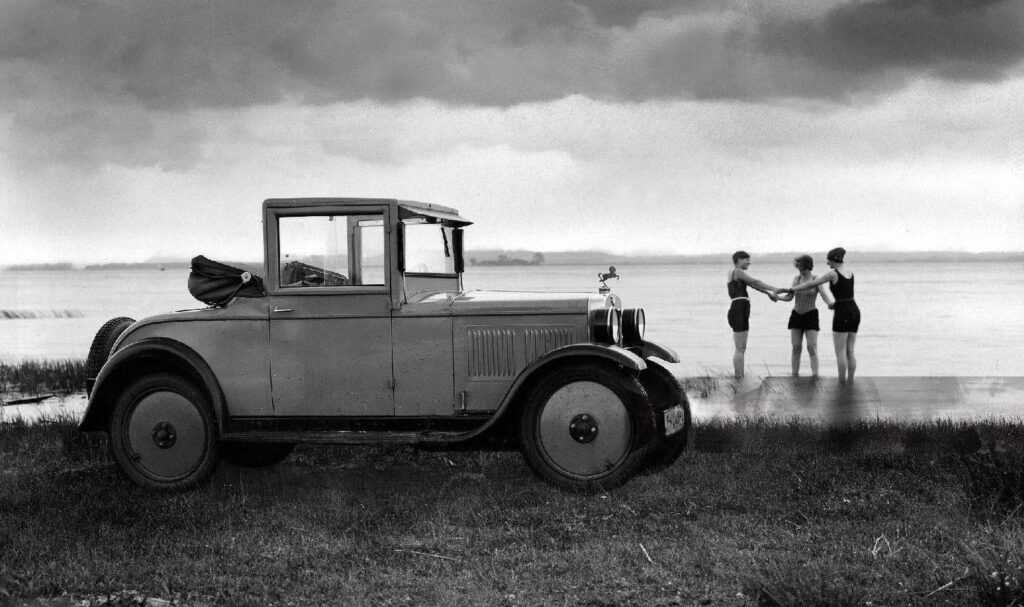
347,437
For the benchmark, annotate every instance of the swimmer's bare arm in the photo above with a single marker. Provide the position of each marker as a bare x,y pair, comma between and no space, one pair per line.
786,294
755,283
810,284
826,296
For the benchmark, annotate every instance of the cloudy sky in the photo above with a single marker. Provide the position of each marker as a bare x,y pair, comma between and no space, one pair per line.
132,129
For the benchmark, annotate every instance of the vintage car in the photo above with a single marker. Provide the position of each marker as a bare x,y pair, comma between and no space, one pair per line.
361,332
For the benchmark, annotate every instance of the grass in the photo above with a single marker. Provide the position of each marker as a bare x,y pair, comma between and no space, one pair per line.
34,377
758,513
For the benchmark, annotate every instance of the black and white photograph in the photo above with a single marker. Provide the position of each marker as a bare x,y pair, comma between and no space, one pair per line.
514,302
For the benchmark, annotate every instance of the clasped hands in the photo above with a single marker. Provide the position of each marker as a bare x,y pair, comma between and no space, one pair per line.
774,293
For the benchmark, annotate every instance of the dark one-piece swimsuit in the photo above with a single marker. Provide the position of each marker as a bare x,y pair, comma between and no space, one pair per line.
846,316
739,309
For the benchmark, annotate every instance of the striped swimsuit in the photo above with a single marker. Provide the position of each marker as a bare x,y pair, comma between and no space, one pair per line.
805,313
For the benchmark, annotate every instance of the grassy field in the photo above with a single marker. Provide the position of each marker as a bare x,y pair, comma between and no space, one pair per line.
759,513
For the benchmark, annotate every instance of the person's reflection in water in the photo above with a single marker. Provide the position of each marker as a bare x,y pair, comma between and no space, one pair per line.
848,404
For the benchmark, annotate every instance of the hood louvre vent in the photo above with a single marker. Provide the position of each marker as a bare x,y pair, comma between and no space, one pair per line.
541,341
491,354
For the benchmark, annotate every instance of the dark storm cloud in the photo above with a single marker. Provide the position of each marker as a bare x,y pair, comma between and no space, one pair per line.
230,53
954,39
83,79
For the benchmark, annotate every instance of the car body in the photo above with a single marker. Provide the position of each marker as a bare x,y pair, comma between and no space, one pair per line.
365,334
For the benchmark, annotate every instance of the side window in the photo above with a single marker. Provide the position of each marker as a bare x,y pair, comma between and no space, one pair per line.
331,250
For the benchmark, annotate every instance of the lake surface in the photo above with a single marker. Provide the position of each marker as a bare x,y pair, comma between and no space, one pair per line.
932,319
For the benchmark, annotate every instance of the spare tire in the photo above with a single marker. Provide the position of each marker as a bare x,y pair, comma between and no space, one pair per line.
99,352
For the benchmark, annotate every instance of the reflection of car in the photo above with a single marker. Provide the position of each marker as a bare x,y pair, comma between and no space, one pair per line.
364,334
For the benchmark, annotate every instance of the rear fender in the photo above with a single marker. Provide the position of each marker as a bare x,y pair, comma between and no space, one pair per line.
139,358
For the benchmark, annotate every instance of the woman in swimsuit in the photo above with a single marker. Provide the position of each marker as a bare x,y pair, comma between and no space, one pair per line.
846,319
803,321
739,308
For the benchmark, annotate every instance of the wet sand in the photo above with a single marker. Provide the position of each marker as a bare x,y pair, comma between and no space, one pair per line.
826,400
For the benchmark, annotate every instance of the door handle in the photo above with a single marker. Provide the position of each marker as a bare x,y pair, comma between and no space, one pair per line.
279,310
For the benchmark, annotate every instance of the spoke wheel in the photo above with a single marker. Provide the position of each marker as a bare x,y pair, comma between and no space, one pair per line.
586,427
163,433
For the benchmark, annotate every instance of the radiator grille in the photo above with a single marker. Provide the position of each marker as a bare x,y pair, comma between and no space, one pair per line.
491,353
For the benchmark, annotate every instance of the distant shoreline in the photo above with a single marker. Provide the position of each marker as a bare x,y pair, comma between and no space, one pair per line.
490,258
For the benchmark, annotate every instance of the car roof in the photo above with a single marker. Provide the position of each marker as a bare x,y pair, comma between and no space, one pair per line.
405,208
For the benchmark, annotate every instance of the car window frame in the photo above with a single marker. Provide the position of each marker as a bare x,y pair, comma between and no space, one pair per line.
273,247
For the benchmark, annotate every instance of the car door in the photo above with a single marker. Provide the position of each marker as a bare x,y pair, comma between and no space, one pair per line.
330,319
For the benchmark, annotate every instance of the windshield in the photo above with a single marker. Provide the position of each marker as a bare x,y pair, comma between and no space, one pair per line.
429,248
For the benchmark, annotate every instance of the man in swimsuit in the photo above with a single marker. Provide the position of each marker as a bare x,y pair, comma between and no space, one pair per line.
739,308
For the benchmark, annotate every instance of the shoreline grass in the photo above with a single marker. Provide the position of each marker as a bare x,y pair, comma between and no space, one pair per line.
759,512
36,377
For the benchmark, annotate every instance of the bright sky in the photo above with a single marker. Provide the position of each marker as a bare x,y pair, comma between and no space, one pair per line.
133,129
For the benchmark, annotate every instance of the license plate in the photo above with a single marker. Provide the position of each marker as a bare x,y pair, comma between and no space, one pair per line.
675,420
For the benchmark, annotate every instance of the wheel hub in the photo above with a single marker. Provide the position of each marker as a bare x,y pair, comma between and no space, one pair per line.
164,435
583,428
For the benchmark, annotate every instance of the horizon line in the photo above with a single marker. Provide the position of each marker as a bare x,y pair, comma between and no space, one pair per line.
866,255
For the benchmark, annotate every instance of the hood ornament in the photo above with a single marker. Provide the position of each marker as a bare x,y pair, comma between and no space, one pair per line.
601,277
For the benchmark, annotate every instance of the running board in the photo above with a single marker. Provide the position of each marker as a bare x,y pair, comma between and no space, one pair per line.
347,437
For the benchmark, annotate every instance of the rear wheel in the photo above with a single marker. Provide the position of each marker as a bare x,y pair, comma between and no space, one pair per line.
586,427
163,433
255,455
672,414
104,340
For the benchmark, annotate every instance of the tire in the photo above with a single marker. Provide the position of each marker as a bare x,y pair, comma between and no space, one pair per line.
163,433
586,428
664,392
255,455
99,351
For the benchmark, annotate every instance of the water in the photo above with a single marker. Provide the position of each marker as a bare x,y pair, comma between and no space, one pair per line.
930,319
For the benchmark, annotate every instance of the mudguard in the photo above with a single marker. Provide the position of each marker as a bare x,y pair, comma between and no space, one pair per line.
621,356
648,349
170,355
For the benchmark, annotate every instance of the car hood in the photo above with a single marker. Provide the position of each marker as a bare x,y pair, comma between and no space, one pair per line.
526,302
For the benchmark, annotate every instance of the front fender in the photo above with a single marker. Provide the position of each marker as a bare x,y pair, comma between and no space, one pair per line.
648,349
146,356
620,356
614,354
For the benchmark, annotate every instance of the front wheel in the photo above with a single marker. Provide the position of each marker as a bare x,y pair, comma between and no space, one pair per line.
163,433
673,417
586,427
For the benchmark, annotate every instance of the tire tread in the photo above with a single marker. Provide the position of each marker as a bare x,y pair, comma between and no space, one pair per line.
104,340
